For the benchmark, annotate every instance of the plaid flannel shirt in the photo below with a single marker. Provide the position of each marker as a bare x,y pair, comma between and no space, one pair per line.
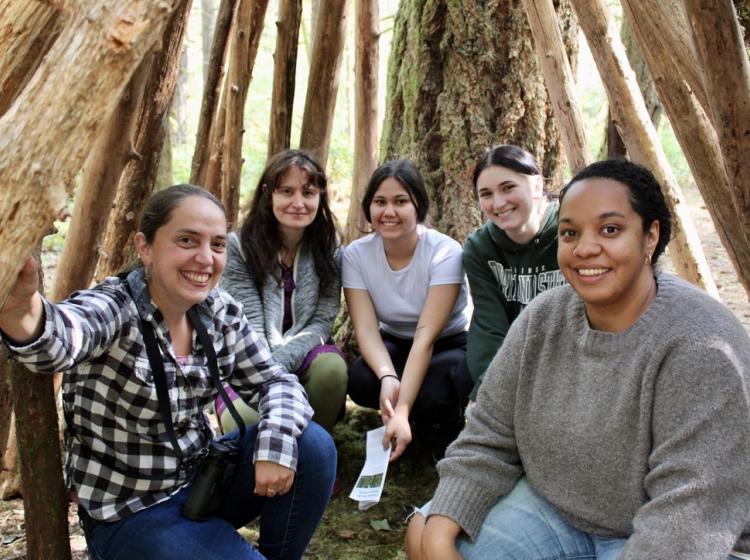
119,456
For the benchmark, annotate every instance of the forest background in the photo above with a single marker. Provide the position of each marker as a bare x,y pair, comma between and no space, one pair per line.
346,532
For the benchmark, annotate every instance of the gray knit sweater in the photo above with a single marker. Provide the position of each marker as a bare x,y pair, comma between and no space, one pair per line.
643,434
313,312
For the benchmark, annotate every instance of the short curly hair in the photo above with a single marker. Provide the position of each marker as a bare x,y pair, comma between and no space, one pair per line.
646,197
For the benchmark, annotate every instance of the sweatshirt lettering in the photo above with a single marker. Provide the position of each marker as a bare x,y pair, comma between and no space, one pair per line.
524,284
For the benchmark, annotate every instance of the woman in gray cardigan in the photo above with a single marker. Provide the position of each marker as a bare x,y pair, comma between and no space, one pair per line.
284,267
619,424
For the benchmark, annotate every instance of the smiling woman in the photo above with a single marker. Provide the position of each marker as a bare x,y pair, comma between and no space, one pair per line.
142,356
614,422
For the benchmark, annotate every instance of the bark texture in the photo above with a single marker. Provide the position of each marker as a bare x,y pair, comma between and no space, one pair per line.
694,132
45,504
323,80
93,200
245,41
211,92
138,178
634,125
464,76
284,68
366,63
27,31
726,69
46,134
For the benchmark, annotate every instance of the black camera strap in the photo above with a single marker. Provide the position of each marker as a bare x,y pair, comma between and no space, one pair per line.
160,377
213,365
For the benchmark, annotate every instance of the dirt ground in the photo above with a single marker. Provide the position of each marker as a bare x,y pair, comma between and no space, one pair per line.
378,532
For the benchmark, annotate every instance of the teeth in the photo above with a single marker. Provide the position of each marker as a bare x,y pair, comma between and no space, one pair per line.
194,277
504,212
591,271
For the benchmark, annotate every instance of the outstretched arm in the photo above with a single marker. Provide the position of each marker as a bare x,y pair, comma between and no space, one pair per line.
22,315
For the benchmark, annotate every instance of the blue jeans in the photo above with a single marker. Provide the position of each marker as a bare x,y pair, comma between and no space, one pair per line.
287,522
524,526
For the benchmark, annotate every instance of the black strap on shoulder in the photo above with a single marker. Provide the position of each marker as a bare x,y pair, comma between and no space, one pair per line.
213,366
160,380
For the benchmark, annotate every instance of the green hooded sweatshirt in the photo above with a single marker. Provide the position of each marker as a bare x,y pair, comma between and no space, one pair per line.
504,277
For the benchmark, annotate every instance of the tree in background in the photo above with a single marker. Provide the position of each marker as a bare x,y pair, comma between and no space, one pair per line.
464,76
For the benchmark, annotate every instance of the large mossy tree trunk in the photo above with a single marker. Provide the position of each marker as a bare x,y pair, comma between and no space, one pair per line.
463,76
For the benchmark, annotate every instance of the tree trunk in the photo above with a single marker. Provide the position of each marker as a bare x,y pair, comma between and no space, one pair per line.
48,131
634,125
209,11
323,81
727,78
211,92
10,480
138,178
560,81
45,504
461,78
93,201
27,31
245,41
366,62
284,68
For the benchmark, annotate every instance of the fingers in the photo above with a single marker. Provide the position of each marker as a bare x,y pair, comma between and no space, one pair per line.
386,411
272,480
401,445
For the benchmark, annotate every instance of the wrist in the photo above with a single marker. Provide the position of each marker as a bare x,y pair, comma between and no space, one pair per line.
389,376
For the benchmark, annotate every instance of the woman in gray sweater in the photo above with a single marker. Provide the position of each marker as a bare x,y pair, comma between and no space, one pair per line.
284,266
619,425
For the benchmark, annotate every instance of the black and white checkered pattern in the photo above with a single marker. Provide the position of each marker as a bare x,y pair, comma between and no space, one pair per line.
120,459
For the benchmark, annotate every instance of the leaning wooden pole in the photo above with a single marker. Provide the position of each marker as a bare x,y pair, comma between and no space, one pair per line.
95,194
727,78
50,128
245,41
634,125
27,31
366,61
692,128
45,503
284,68
139,176
558,77
211,91
323,81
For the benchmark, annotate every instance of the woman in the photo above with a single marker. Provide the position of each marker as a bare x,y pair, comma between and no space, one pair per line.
614,421
129,467
284,267
406,294
513,256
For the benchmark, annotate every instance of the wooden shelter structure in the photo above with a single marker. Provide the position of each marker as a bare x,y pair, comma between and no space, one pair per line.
86,84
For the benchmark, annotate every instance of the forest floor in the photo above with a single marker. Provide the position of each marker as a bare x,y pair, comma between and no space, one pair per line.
346,532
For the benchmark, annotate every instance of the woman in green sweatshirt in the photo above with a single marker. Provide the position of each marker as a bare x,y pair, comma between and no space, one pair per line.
513,256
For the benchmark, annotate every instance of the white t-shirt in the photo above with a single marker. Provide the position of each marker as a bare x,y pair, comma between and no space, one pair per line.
398,296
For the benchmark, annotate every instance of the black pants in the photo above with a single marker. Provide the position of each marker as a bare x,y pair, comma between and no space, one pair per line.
445,389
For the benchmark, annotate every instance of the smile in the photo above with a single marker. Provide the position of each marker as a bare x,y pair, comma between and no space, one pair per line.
592,271
504,213
198,278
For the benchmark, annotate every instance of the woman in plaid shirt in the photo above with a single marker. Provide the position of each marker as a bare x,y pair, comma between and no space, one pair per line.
121,466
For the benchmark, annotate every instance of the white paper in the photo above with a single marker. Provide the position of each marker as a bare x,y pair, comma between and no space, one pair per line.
371,479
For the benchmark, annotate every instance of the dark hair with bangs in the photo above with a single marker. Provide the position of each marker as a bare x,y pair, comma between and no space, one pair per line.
259,232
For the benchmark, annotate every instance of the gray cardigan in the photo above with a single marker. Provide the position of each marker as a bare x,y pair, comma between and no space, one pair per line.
643,434
313,312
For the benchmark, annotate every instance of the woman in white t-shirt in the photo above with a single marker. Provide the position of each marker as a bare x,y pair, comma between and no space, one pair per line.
406,292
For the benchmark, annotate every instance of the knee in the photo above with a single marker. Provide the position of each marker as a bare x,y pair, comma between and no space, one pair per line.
413,539
316,450
328,371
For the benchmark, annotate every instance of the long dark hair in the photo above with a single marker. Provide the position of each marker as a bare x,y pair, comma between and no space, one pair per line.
259,232
158,211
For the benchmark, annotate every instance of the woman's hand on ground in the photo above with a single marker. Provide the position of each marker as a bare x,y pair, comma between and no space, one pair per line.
272,479
398,432
439,539
389,388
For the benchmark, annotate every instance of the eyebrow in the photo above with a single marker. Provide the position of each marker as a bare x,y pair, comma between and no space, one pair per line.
195,232
603,216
